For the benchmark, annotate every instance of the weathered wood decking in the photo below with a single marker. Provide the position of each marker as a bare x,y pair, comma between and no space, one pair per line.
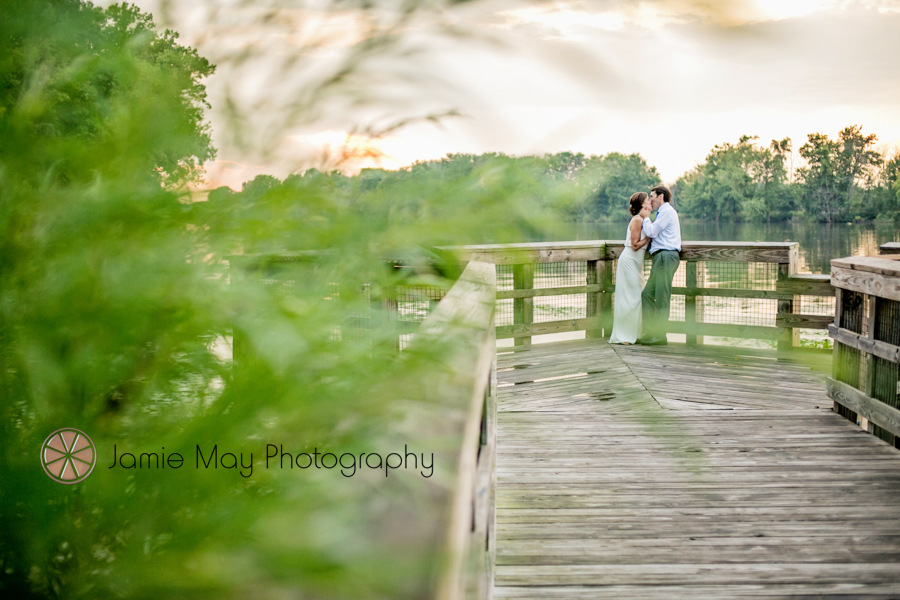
686,472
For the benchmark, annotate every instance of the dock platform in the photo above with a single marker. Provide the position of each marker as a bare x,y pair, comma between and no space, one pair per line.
634,472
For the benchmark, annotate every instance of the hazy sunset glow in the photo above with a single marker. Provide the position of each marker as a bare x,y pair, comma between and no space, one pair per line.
668,79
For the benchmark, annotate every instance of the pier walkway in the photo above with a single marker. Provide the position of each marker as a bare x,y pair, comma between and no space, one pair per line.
675,472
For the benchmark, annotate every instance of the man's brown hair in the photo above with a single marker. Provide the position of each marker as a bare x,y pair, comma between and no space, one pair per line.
663,191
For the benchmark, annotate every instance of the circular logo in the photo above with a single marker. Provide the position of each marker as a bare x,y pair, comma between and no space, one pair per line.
68,455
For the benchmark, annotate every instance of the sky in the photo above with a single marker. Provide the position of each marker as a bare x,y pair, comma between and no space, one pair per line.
668,79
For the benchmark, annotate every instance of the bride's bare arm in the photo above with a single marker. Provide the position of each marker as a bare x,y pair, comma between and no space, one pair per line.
635,228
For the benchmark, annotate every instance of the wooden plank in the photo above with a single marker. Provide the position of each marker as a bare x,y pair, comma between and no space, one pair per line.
527,330
722,330
806,284
710,573
875,411
728,292
890,248
609,495
804,321
865,344
866,282
884,265
545,252
537,252
556,291
767,252
838,591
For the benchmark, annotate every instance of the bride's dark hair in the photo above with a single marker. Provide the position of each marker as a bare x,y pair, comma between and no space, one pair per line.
636,202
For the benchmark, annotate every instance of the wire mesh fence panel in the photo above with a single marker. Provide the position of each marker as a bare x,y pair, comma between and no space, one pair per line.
560,274
814,305
559,308
848,364
730,275
503,312
677,281
415,303
737,311
405,340
676,308
504,277
886,375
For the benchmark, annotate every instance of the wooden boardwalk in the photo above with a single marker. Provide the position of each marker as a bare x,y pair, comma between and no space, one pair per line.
686,472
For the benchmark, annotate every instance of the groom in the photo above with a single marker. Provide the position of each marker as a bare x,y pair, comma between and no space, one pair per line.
664,248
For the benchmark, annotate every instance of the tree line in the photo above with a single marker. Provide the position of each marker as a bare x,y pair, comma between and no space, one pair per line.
568,186
834,180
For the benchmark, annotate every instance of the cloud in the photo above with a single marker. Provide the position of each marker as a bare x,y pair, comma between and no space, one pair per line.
883,6
575,20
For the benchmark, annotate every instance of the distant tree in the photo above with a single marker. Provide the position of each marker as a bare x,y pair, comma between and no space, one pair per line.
565,166
605,183
836,169
784,150
887,192
740,181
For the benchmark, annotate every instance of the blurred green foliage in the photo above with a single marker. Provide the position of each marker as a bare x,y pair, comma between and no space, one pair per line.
82,87
119,304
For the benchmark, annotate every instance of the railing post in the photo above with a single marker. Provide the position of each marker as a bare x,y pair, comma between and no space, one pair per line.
789,337
523,308
594,299
869,384
690,303
605,300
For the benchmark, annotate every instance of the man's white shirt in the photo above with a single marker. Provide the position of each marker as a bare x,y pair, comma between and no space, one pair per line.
665,231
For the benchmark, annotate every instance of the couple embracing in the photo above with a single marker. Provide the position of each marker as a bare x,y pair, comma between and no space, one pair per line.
641,312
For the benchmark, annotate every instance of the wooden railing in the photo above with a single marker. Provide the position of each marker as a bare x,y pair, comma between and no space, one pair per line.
599,259
463,323
865,385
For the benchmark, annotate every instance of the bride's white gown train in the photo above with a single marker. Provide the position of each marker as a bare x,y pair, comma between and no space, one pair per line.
629,285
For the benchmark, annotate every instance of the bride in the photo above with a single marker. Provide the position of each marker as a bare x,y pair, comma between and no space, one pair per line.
630,275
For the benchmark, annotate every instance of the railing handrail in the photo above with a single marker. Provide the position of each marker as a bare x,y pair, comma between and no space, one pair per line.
463,323
546,252
890,248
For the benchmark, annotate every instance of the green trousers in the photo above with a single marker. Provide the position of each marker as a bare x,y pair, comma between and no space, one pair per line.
657,294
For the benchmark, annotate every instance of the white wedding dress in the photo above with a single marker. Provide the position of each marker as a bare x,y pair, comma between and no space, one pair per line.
629,285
